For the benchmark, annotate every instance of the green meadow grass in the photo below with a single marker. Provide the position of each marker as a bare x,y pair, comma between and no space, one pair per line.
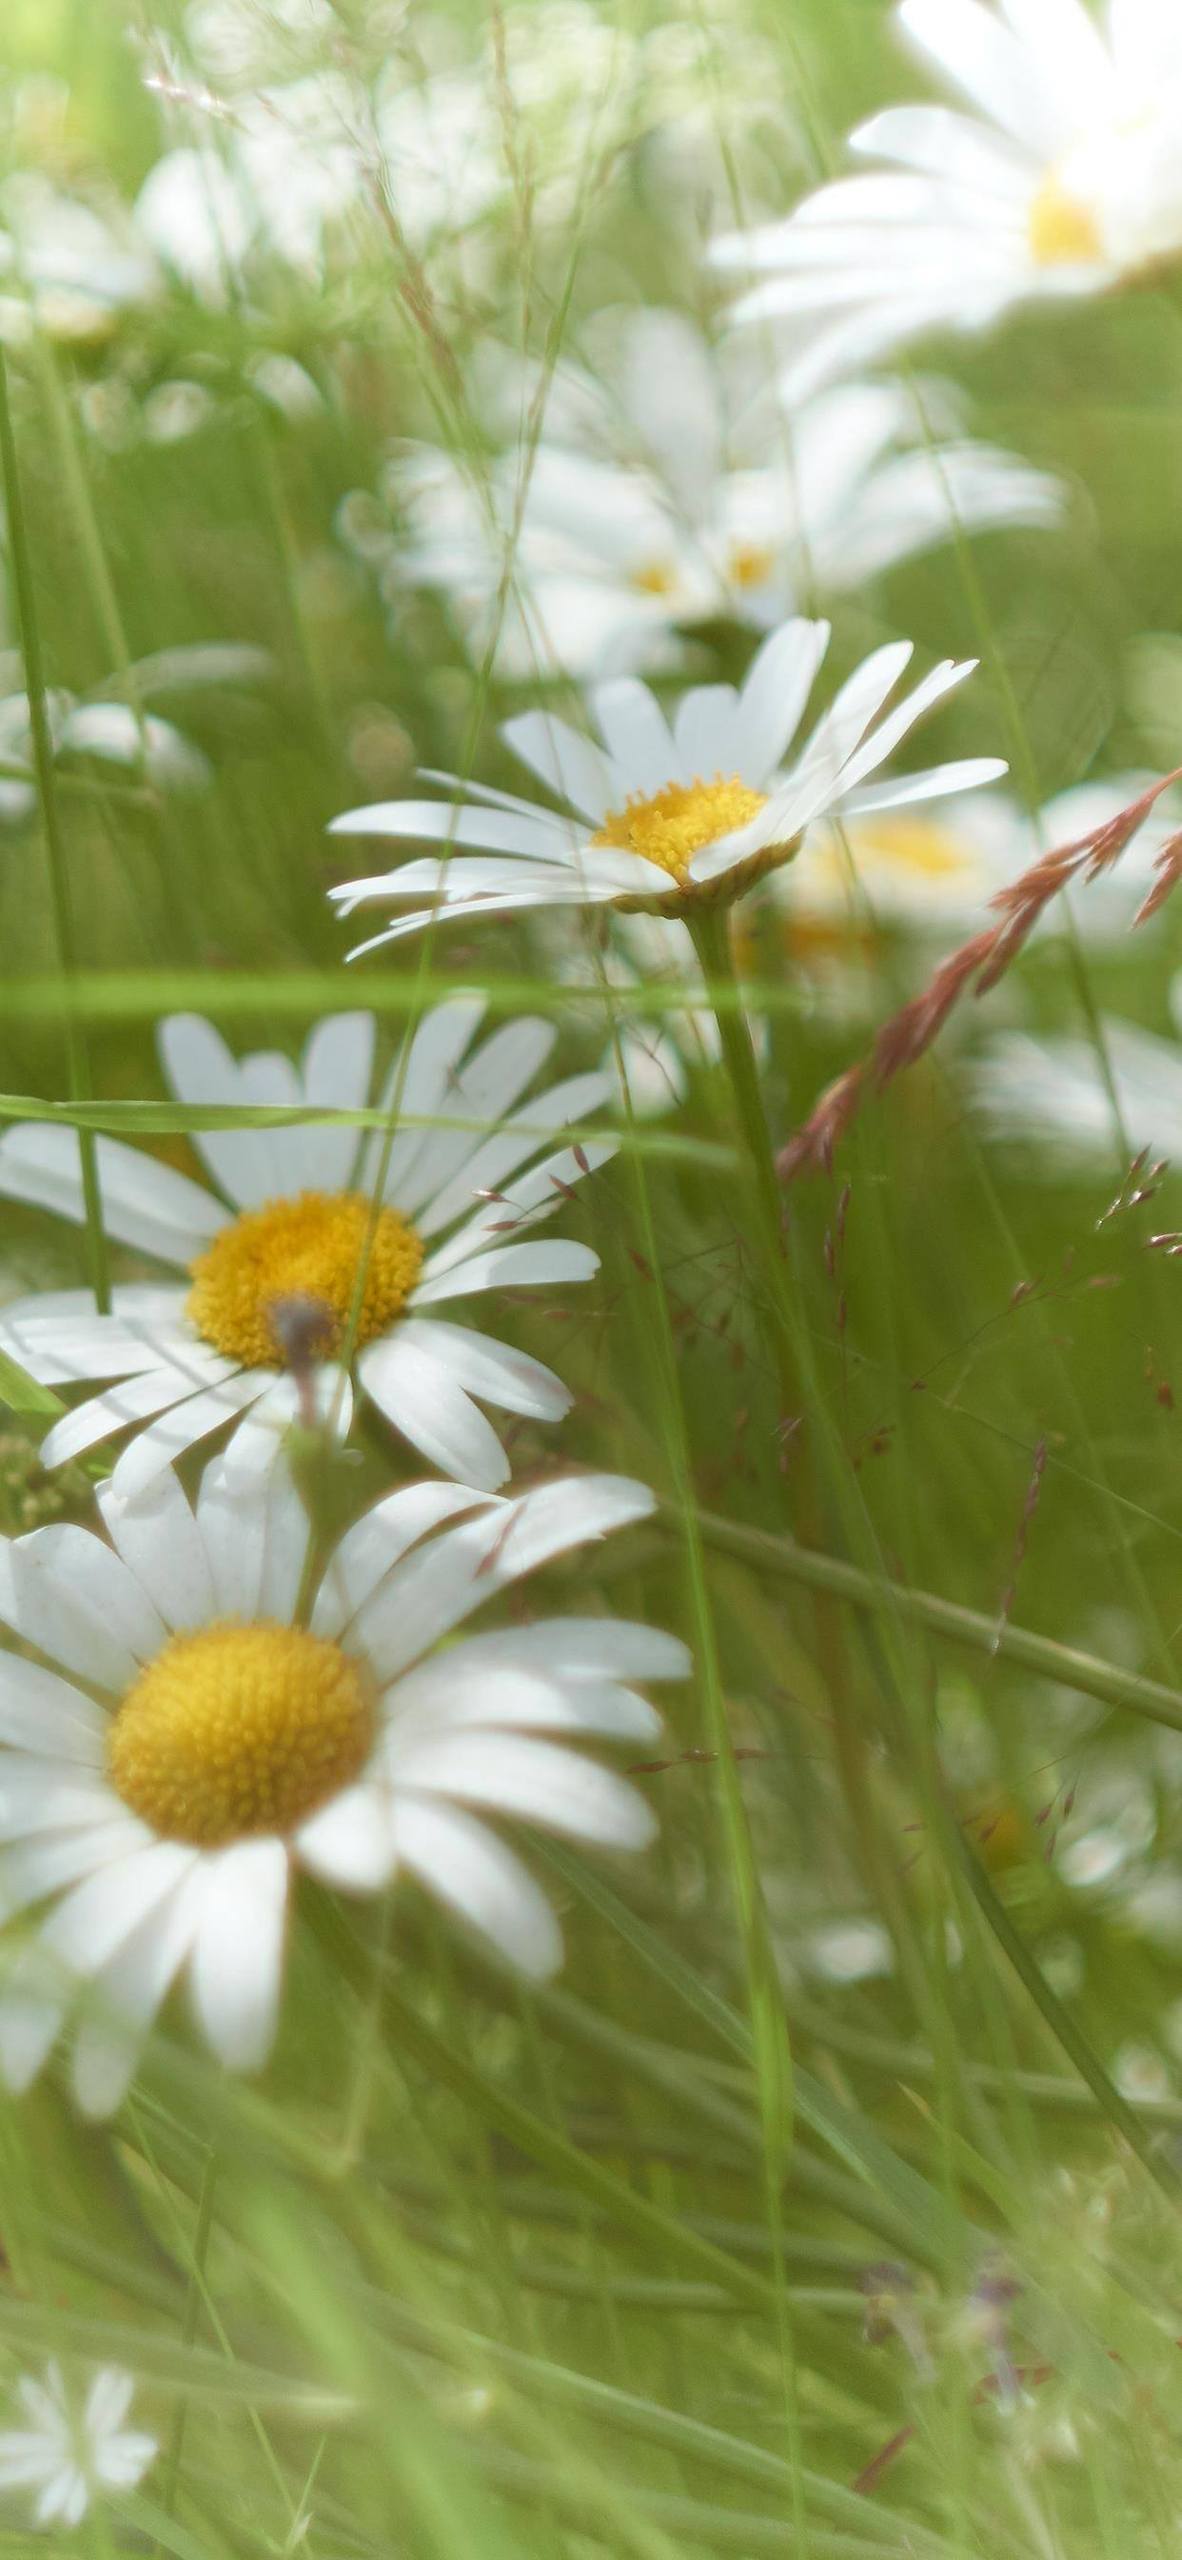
704,2249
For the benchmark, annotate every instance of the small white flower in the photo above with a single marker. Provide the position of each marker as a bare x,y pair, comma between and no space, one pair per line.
71,2454
1066,180
273,1256
199,1743
668,487
669,819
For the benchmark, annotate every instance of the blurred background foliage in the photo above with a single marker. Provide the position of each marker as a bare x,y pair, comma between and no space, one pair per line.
472,2272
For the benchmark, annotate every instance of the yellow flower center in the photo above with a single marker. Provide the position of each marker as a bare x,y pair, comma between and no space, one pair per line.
239,1730
1061,231
309,1250
750,564
654,578
915,845
672,825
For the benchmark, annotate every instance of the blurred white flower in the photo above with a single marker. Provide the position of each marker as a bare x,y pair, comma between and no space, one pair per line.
1053,1095
70,2454
669,486
199,1743
109,731
847,1951
1066,179
64,267
107,727
271,180
668,818
937,874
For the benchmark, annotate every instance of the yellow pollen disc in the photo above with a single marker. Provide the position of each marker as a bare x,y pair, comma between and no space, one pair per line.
239,1730
309,1249
653,578
912,845
1061,231
750,564
676,822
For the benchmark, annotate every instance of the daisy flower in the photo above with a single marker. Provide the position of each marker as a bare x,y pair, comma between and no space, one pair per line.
668,488
64,268
1054,1096
936,874
198,1742
1064,181
69,2454
313,1236
668,819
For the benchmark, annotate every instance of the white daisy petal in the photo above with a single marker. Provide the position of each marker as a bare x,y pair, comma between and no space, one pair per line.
128,1992
983,58
337,1074
350,1842
69,1595
108,2400
583,1648
511,1266
489,1370
459,1690
538,838
183,1427
777,687
577,1098
40,1713
421,1397
145,1203
707,730
376,1543
432,1592
32,2008
480,1093
637,737
159,1540
568,764
508,1773
45,1864
92,1921
237,1960
464,1865
416,1087
135,1399
201,1069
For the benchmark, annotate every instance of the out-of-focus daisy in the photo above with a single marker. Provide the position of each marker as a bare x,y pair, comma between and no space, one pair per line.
1065,180
105,728
315,1237
200,1742
669,819
64,267
107,731
270,179
928,873
1068,1099
72,2452
668,487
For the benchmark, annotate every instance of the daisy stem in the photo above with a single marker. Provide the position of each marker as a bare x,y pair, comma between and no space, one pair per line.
711,934
61,904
